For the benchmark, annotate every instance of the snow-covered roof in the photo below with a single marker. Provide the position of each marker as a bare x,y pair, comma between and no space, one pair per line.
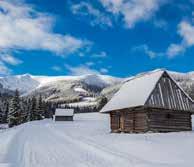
134,92
64,112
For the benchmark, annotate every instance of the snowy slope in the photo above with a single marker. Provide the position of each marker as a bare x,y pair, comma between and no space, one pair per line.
85,102
23,83
73,88
86,142
182,76
27,83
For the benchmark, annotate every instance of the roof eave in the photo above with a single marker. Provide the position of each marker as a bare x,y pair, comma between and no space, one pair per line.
108,111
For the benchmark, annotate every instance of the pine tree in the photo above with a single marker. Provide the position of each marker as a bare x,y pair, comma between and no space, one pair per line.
50,111
102,102
1,116
39,109
14,115
29,110
6,111
4,107
24,111
33,109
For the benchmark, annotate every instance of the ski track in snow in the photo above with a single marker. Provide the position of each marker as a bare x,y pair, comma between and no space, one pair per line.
86,142
101,153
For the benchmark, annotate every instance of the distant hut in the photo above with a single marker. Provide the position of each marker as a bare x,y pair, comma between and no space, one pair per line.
151,101
63,114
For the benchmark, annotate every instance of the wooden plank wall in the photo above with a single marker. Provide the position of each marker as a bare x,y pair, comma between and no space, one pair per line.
63,118
168,95
170,121
129,121
143,119
140,122
115,121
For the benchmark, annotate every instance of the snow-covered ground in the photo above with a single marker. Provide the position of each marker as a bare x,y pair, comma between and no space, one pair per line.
78,89
86,142
86,102
83,104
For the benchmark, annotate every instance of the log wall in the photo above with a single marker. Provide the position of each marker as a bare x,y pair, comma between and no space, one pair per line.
168,121
63,118
115,121
140,120
129,121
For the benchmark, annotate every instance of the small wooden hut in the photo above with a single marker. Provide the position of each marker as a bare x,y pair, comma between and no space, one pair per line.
63,114
151,101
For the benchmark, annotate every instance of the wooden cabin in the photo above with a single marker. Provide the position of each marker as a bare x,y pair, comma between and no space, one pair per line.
150,102
63,114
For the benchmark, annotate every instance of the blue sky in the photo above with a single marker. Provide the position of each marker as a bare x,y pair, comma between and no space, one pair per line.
113,37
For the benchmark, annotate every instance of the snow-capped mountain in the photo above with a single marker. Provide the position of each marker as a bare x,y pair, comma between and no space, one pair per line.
27,83
24,83
78,88
60,88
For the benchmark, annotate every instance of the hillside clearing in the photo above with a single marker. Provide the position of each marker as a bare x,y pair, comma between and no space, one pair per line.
86,142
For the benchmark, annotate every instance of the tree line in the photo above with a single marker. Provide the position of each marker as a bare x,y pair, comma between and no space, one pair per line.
86,109
16,110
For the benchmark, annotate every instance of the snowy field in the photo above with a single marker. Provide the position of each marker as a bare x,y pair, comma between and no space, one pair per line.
86,142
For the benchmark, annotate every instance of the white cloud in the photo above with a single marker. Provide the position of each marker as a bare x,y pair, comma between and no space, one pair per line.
4,70
132,11
80,70
104,70
174,50
160,23
100,55
21,27
89,63
186,31
56,68
113,6
86,9
9,59
145,49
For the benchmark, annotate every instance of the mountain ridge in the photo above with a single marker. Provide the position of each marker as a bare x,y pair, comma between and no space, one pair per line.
68,89
32,82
